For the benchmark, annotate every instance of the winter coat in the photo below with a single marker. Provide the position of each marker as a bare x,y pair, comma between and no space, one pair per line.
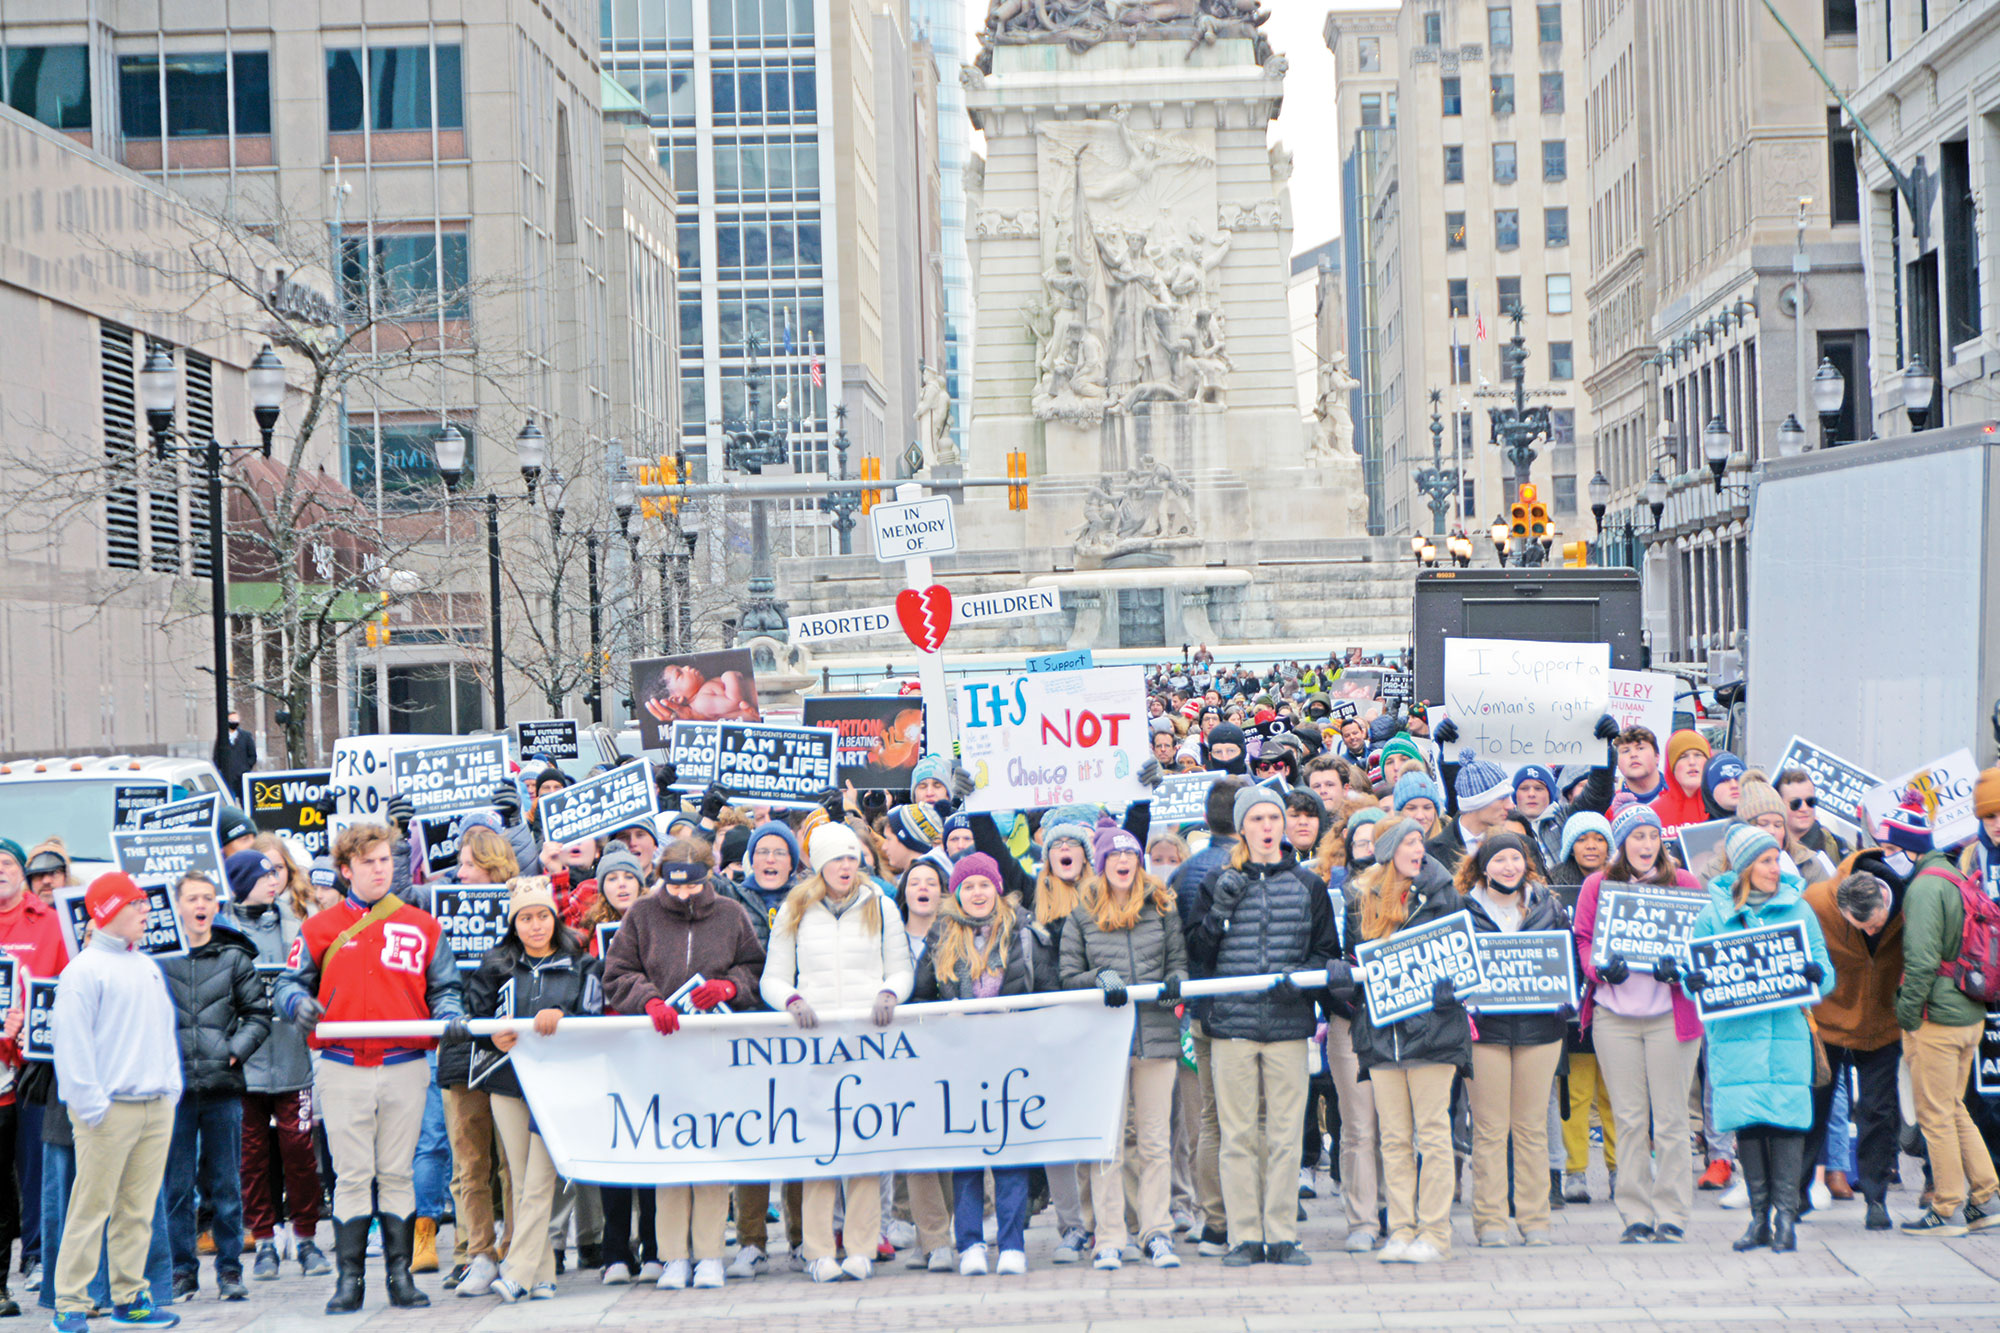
1447,845
836,961
1437,1036
1760,1066
221,1011
1676,807
1933,929
1859,1014
1595,796
571,982
282,1063
1260,919
1544,911
1031,966
752,898
664,940
1687,1020
1152,950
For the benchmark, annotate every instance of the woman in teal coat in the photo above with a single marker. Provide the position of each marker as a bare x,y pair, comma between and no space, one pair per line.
1760,1066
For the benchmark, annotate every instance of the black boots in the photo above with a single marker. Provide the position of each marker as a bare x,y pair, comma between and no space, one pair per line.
398,1239
1756,1166
1787,1163
350,1256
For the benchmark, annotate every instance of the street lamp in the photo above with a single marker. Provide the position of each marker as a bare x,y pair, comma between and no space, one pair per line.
1715,444
266,377
1600,498
159,384
1829,395
1417,544
1791,436
1427,553
624,497
448,453
531,448
556,493
1918,387
1499,535
1656,495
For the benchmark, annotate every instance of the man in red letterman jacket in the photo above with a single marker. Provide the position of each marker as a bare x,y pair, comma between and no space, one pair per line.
373,958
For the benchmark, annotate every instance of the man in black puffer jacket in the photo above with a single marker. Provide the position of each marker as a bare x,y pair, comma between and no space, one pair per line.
1256,918
221,1016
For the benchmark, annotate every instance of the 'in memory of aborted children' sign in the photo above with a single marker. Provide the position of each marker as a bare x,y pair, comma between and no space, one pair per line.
1516,702
1753,971
1402,969
1526,971
616,798
1643,923
444,779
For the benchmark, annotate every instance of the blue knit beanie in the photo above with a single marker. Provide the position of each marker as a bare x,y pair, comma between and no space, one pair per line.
1534,773
1747,842
776,829
1413,785
1633,816
1480,783
1719,770
1580,823
931,766
1568,777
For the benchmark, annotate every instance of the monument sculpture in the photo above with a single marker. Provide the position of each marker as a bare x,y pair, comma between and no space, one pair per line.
1150,509
1333,441
933,417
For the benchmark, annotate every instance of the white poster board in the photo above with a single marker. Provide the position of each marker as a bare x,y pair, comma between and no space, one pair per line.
1939,794
1037,739
1516,702
1643,699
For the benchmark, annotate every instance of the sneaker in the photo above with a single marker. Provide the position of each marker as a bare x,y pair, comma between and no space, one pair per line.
1493,1240
1070,1248
1395,1250
884,1251
1818,1195
973,1262
506,1289
1243,1255
1716,1177
1160,1253
674,1277
73,1322
616,1273
141,1314
1287,1253
229,1287
708,1274
1636,1234
749,1262
1536,1240
1214,1243
478,1280
542,1291
264,1268
1979,1217
900,1234
1360,1240
1183,1220
1576,1187
1668,1234
797,1255
942,1260
1878,1217
650,1271
858,1268
312,1260
1107,1258
820,1270
1306,1190
1013,1263
1736,1196
32,1279
1422,1251
186,1287
1933,1223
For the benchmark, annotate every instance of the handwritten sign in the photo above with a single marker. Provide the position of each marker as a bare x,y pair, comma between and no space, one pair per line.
1643,923
38,1030
612,800
197,812
1643,699
474,918
1937,796
445,779
881,737
1840,786
1753,971
162,856
1076,659
1401,969
1182,798
1516,702
1526,971
553,739
288,802
1054,737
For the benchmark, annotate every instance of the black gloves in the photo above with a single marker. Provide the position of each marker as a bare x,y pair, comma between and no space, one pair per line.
400,812
1170,992
1694,981
830,801
1444,732
1606,728
308,1012
1814,973
1113,987
1666,971
874,802
1284,988
456,1033
664,778
1443,994
713,799
507,800
1151,774
1616,971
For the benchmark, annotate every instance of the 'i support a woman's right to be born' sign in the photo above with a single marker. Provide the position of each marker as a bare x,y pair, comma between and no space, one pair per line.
1515,702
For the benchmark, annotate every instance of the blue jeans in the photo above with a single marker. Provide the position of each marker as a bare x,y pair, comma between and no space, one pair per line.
431,1170
208,1150
28,1173
1839,1154
1010,1206
57,1172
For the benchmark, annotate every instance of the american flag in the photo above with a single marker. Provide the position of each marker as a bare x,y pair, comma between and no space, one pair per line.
818,377
1478,322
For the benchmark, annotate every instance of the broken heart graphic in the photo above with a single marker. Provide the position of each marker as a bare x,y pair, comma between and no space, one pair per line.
926,615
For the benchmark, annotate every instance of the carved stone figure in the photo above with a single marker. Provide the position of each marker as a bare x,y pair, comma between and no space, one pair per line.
1148,509
1071,361
1334,440
933,417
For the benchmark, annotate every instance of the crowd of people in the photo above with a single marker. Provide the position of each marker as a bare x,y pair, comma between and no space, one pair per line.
191,1110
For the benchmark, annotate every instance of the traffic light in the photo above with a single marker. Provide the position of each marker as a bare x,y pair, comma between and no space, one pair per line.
1017,477
871,470
1576,555
671,474
666,471
376,630
1528,516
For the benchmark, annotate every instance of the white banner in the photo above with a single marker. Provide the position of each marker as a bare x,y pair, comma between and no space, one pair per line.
720,1103
1516,702
1644,699
1054,737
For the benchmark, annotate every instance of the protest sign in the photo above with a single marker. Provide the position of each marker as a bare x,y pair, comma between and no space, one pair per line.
38,1029
1182,798
1401,969
1526,971
10,983
906,528
445,779
611,800
555,739
605,931
1839,786
973,607
1936,797
1701,847
1516,702
127,803
1986,1073
1076,659
1753,971
439,839
719,1104
1643,923
1397,686
162,856
824,626
763,763
881,737
165,936
287,801
197,812
694,748
474,917
1054,738
1643,699
268,973
693,687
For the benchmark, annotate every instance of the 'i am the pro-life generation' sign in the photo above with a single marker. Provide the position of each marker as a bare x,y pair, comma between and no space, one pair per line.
1753,971
1643,923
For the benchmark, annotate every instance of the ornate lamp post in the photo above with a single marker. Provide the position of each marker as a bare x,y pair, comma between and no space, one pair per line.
1437,482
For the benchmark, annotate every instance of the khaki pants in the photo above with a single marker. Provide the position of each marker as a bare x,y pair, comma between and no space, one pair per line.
1587,1091
119,1165
1187,1135
1649,1071
1940,1063
1147,1107
862,1227
1208,1141
468,1120
373,1115
753,1204
1510,1099
688,1220
531,1259
1413,1107
1260,1144
1360,1153
930,1208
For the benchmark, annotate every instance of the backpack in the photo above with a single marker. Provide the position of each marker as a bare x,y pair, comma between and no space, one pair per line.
1976,969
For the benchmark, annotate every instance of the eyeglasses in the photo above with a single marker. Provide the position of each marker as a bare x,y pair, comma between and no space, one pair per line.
1803,802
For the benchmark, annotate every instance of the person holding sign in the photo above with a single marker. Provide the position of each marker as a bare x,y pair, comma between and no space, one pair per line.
1514,1055
1760,1065
1411,1063
31,933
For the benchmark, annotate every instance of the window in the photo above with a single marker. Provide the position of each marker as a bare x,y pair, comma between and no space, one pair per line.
1500,26
198,94
1559,300
1433,29
1562,362
1371,108
49,83
1471,496
1503,94
1461,364
1555,227
1454,231
1555,160
1549,22
1368,55
1510,295
407,450
1454,103
1565,492
1454,164
1507,228
1458,299
1552,92
1961,242
1506,166
1842,171
405,275
1842,18
752,91
397,87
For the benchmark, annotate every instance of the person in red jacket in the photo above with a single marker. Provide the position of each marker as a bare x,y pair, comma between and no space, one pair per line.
371,958
31,933
1679,801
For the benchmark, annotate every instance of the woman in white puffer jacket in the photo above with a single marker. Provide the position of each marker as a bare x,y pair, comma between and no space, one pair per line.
838,943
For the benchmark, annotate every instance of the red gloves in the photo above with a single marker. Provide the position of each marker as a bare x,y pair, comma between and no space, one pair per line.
711,993
666,1019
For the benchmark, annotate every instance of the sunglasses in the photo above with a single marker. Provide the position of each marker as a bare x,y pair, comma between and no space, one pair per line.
1263,764
1805,802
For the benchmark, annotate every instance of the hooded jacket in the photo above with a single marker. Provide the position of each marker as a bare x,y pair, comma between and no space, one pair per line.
664,940
282,1063
221,1012
1933,929
1436,1036
1543,911
1152,950
571,981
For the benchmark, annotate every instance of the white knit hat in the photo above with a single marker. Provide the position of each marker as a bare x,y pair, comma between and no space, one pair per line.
830,842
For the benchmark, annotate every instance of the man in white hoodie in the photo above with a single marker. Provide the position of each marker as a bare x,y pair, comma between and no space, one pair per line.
118,1068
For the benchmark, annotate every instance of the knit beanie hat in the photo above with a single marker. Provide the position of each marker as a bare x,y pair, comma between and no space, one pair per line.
1077,824
8,847
931,766
1747,842
1111,839
781,831
915,826
322,874
1495,843
1580,823
976,863
1480,783
1225,733
243,869
1250,797
1723,767
831,842
1567,777
531,891
1634,816
1400,745
1374,814
1415,785
1534,773
551,774
1986,793
735,845
813,819
1681,742
1908,826
619,859
1758,798
958,823
1392,837
231,824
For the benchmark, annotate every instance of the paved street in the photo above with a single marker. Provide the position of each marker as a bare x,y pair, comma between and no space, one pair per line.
1841,1278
